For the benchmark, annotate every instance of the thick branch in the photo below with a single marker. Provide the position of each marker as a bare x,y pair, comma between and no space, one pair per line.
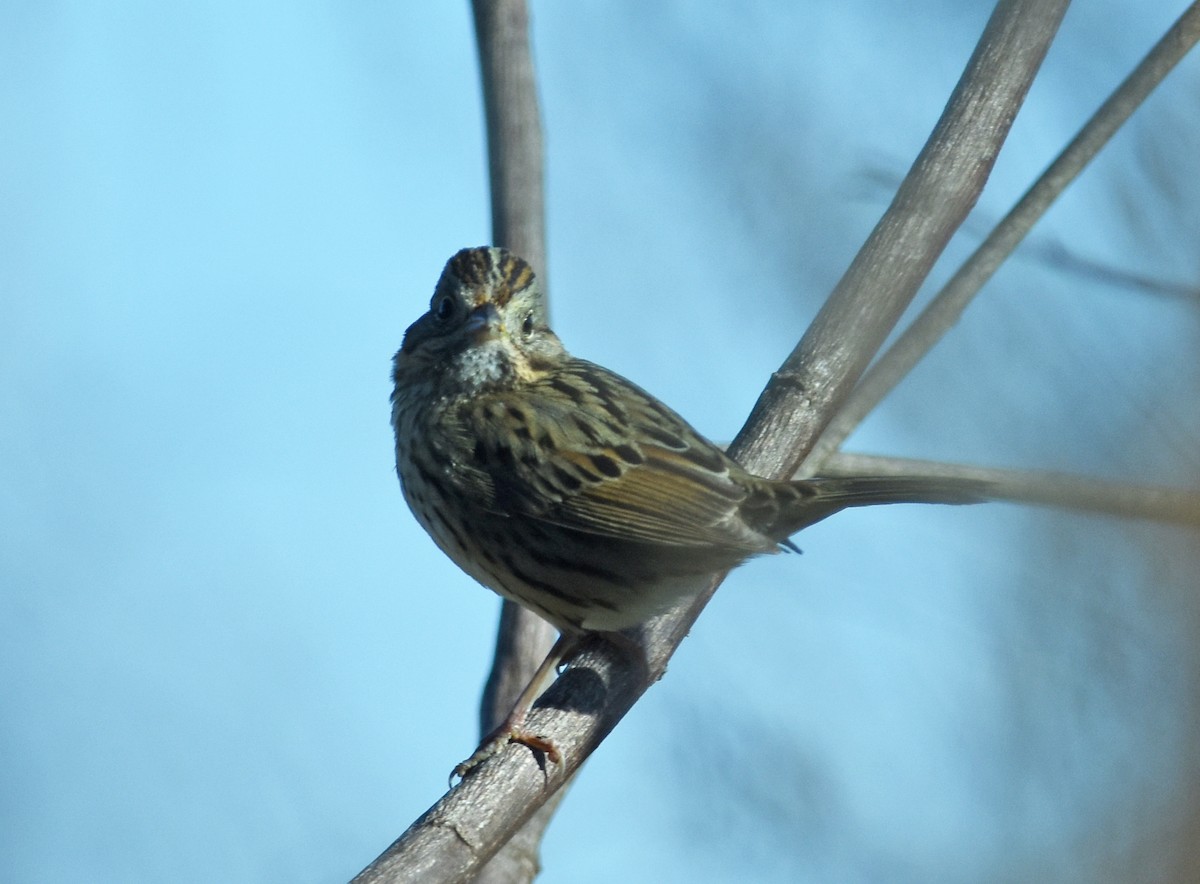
467,825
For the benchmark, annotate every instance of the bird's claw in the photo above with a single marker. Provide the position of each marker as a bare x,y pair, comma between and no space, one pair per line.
496,742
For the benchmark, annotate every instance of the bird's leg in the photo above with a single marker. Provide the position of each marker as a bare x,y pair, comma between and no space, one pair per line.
512,729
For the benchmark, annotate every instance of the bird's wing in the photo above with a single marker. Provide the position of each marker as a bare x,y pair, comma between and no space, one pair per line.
587,450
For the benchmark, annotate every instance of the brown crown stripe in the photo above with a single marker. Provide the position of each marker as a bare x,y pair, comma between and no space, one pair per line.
517,273
471,266
500,274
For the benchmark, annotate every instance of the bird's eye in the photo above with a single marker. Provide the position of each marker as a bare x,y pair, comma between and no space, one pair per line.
527,325
443,309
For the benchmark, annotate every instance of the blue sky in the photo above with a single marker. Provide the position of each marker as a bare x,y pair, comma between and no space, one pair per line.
227,652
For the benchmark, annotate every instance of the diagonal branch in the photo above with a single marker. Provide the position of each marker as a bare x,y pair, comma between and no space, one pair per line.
466,826
935,197
945,309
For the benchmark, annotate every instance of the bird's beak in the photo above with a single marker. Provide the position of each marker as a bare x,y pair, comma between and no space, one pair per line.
484,322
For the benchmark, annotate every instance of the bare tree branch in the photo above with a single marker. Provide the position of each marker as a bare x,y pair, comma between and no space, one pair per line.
514,129
1151,502
935,197
452,840
946,308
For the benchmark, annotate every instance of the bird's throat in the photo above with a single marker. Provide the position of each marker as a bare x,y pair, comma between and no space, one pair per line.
490,364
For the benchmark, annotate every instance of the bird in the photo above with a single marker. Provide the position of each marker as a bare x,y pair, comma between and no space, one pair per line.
567,488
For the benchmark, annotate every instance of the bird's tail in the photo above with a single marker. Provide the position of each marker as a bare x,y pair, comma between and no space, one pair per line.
805,502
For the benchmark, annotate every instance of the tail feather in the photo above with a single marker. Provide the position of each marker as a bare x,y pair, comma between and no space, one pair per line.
812,500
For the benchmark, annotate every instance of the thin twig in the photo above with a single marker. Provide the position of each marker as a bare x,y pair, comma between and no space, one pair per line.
464,828
946,308
1149,502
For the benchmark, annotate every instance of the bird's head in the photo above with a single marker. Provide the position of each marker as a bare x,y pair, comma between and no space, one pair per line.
486,325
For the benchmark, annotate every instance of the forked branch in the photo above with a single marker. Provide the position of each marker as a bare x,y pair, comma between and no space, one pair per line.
947,306
453,840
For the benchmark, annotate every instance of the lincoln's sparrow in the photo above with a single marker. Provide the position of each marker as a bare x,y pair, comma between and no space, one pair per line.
563,486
